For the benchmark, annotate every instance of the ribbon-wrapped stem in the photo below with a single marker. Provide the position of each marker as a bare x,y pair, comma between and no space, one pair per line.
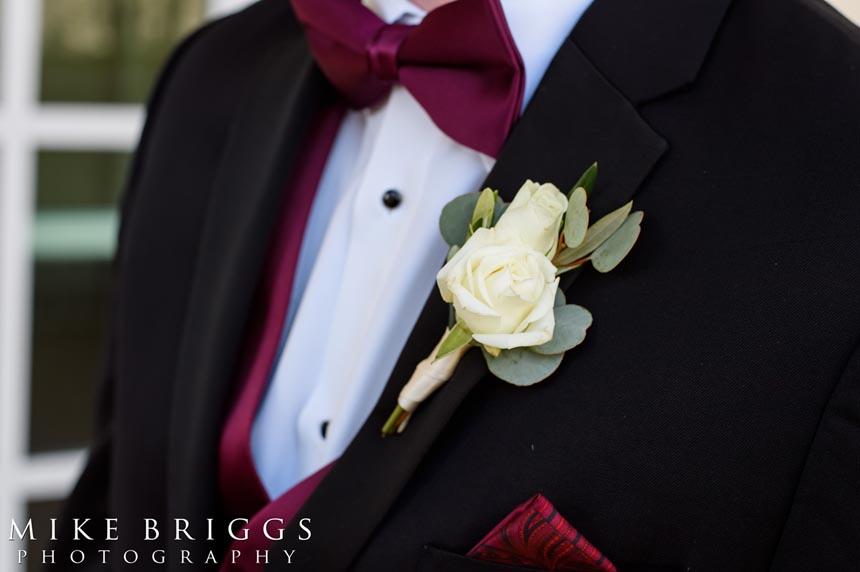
429,375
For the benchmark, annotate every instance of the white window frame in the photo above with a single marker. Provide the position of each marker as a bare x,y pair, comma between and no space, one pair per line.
27,126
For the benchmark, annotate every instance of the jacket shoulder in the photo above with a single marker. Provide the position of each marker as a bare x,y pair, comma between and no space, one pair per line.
203,82
222,54
823,14
809,35
796,60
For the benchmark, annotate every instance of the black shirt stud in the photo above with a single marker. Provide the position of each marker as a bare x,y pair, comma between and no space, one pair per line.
392,198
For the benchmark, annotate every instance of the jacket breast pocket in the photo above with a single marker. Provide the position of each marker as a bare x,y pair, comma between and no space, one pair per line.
435,559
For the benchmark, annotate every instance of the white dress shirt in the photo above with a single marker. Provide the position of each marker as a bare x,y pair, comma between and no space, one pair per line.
365,270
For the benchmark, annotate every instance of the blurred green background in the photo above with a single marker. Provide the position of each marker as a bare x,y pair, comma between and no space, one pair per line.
109,50
101,54
97,52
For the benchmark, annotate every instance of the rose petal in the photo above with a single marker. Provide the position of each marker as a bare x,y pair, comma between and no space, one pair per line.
510,341
469,302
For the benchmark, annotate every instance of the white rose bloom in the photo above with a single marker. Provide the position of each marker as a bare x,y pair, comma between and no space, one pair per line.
503,290
501,282
535,216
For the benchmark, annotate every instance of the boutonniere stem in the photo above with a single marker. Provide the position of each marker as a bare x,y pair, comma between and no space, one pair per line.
429,375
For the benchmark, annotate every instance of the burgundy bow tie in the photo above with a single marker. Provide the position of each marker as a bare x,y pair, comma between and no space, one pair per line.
460,63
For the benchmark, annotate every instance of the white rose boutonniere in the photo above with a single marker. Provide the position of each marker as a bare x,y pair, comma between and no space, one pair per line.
502,278
502,290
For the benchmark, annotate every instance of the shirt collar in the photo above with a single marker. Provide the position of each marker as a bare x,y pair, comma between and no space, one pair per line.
400,11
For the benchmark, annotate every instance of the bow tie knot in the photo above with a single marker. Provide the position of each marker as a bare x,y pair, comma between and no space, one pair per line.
460,63
382,51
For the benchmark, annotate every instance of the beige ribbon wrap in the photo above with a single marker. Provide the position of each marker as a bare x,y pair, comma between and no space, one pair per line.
429,375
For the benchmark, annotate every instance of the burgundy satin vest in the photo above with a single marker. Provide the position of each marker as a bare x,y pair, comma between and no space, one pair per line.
242,491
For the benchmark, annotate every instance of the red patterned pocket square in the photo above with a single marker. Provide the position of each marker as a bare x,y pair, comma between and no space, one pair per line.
537,536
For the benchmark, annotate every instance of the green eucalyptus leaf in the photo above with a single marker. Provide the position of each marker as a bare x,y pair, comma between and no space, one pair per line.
596,235
566,269
564,257
501,207
456,338
576,218
456,217
521,366
588,178
455,222
609,254
571,323
560,300
474,227
482,216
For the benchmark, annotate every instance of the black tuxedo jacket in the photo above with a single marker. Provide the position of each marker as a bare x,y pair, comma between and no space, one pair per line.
709,423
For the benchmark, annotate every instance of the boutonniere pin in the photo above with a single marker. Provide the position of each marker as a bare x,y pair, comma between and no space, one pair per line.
501,279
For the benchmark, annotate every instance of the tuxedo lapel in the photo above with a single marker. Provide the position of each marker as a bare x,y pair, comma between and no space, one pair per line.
649,49
620,55
577,116
240,216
